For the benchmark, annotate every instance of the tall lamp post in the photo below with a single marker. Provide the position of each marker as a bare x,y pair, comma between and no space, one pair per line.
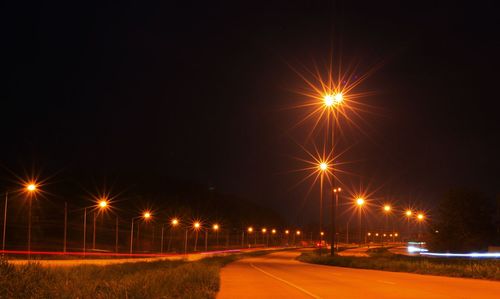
101,205
145,216
174,222
196,227
216,228
408,214
334,207
360,202
31,189
5,220
420,219
387,211
323,167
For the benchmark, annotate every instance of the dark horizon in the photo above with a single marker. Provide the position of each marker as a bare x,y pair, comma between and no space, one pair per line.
113,94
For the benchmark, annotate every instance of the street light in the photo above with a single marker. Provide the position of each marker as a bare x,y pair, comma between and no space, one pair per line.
174,222
101,205
420,216
146,216
408,214
31,189
334,207
387,208
360,202
331,100
323,168
196,228
215,227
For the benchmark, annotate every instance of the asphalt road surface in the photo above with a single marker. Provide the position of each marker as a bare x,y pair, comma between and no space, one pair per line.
279,275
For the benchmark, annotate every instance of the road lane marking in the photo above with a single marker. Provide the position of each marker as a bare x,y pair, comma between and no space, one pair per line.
285,281
386,282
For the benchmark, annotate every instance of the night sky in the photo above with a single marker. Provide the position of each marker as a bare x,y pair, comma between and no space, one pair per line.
201,93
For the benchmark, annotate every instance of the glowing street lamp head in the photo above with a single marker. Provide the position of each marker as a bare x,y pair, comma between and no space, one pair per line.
408,213
387,208
333,99
31,187
360,201
420,216
264,230
146,215
298,233
103,204
323,166
322,233
175,222
196,225
329,100
215,227
273,231
287,232
396,234
338,98
250,229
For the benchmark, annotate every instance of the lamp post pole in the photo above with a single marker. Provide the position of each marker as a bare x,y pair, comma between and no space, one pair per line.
5,220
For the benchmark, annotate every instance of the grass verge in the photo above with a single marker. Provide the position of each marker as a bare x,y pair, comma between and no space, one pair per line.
383,260
161,279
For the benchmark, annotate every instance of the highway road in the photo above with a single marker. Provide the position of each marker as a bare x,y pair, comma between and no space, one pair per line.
279,275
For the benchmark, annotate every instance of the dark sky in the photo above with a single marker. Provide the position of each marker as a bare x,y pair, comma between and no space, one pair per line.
198,93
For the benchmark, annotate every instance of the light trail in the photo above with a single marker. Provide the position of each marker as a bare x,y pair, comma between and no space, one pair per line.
111,254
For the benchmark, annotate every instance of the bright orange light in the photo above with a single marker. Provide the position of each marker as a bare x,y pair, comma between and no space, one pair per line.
387,208
322,233
323,166
287,231
215,226
264,230
360,201
273,231
385,235
333,99
396,234
420,216
338,98
196,225
376,234
31,187
175,221
146,215
298,232
408,213
250,229
369,234
103,204
329,100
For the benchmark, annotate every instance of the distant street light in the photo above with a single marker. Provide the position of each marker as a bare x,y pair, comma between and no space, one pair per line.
215,227
334,208
173,223
408,214
196,227
360,202
31,189
146,216
101,204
